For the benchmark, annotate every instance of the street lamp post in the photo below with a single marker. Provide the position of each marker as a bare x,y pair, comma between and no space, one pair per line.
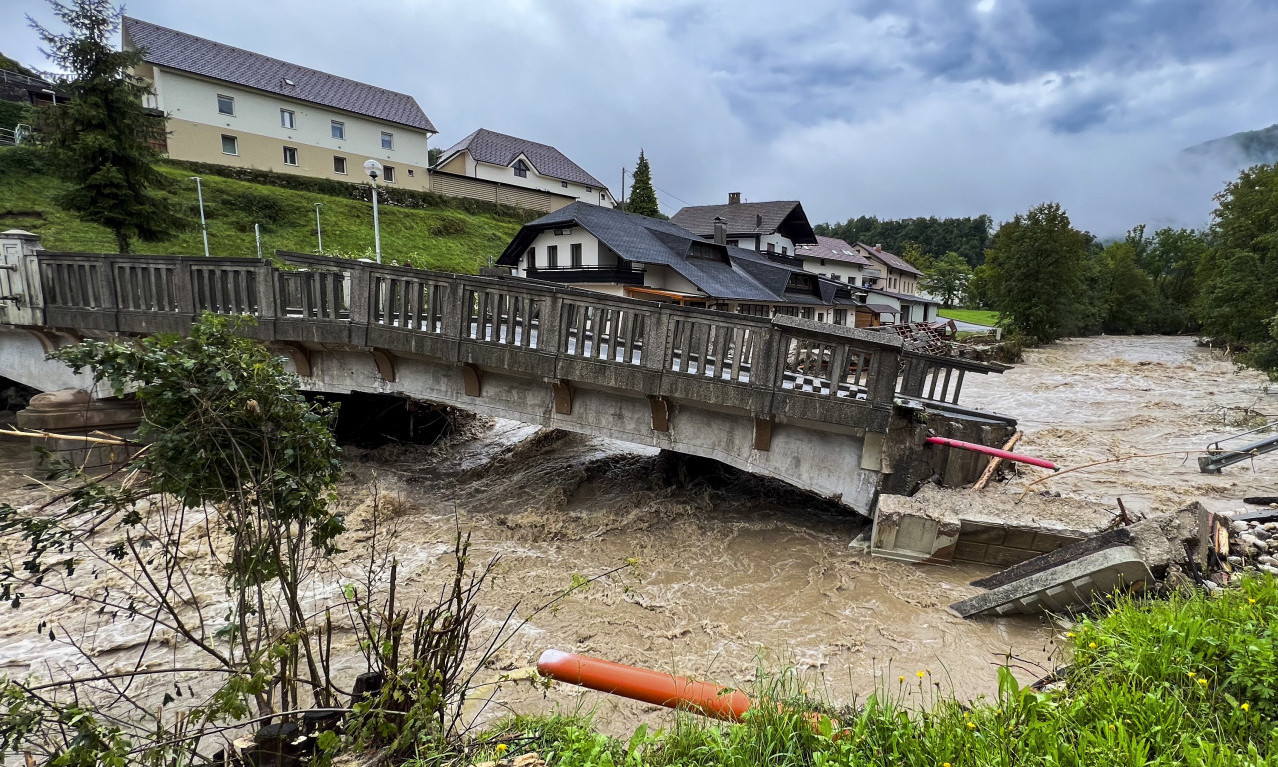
319,232
204,227
374,169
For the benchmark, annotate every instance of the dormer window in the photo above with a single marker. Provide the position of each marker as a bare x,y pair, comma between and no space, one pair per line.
521,169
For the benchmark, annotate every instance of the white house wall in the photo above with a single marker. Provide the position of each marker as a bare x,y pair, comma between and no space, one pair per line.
506,174
196,128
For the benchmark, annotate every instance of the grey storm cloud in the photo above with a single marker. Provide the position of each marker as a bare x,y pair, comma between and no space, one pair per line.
893,108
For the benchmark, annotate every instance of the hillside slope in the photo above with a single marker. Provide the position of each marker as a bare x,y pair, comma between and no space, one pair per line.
443,238
1245,148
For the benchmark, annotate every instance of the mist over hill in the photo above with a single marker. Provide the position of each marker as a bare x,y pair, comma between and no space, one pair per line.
1239,150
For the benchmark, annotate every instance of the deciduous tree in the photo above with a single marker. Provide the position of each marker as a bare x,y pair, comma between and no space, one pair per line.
947,278
1035,272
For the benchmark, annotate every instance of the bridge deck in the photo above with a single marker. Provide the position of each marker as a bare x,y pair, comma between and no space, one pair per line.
463,339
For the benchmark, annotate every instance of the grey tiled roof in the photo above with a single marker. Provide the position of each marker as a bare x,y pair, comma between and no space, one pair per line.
891,259
187,53
831,249
500,149
749,218
911,297
746,276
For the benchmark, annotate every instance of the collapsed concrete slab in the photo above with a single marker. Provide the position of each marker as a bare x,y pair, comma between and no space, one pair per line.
1066,586
939,526
1123,558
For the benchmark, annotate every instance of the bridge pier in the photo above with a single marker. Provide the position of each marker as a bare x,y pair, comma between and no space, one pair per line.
74,413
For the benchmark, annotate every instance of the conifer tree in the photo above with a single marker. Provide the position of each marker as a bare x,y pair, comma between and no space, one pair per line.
643,199
101,136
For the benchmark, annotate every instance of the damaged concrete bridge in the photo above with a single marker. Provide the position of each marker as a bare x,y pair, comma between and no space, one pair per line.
838,411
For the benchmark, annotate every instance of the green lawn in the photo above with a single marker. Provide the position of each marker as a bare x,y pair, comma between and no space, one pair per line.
977,316
446,239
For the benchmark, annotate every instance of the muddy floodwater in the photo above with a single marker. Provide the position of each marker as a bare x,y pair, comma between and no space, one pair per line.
739,571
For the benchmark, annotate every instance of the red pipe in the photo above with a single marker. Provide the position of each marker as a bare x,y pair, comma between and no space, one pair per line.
1005,455
667,690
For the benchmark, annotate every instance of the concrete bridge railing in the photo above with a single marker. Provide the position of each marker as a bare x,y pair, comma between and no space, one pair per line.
779,371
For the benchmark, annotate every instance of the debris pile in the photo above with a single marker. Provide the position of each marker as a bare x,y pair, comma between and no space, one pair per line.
1253,542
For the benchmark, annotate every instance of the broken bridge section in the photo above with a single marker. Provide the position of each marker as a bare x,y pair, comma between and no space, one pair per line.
808,403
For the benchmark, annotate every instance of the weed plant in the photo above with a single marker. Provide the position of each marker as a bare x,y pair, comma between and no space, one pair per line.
1186,681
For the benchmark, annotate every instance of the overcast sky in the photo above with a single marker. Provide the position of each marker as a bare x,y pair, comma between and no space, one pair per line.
895,109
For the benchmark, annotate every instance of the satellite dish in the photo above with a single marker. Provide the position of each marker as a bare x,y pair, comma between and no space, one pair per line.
373,168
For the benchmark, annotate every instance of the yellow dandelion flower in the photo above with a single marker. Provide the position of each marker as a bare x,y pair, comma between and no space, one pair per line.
1069,634
1245,706
1092,645
1251,601
501,748
1192,675
919,674
1111,728
1203,682
900,679
971,725
945,764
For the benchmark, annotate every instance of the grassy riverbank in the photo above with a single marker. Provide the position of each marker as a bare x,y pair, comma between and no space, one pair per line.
1188,681
443,238
975,316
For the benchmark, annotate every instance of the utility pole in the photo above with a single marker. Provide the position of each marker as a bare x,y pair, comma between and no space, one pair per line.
623,187
319,233
204,227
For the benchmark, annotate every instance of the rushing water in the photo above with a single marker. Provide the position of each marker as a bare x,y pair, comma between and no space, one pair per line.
740,569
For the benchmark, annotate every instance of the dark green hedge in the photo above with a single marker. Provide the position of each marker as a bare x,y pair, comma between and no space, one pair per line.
404,198
12,113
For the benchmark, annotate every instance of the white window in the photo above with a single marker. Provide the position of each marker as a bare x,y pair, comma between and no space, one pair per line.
339,165
230,145
388,140
290,155
287,119
564,184
225,105
388,174
521,169
339,130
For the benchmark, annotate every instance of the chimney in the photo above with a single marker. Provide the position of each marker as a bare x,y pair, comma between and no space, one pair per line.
720,231
878,248
734,198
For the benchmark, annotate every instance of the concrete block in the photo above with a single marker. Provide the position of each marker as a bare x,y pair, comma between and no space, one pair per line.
914,537
967,551
1006,556
1069,585
976,532
1045,542
1019,538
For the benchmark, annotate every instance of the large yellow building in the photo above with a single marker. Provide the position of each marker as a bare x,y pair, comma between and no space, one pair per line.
230,106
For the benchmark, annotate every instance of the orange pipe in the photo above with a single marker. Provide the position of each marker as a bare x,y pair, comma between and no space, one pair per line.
706,698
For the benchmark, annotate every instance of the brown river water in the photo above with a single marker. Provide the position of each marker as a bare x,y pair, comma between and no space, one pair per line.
744,572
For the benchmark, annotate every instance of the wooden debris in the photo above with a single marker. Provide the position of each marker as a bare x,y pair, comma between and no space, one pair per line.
994,462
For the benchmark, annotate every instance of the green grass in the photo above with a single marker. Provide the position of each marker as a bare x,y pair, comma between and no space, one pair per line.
1188,681
977,316
445,239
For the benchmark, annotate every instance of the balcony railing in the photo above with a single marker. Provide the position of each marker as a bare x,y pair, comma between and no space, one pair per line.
621,275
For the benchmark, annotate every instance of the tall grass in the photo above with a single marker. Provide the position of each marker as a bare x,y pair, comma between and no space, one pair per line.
1186,681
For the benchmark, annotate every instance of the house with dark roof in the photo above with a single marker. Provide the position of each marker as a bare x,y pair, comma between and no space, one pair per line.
230,106
776,228
887,271
626,254
505,159
833,258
